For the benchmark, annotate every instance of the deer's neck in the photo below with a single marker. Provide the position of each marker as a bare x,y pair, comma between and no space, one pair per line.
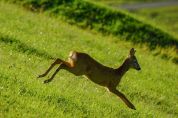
123,68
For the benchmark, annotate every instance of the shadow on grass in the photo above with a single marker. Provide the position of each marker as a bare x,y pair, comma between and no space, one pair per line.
168,57
22,47
175,60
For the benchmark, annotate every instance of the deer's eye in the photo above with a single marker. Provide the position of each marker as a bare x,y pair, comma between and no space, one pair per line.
135,61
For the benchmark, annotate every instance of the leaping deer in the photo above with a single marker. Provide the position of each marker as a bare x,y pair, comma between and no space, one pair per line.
82,64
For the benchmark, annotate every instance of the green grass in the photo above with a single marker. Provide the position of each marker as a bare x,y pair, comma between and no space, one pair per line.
28,41
166,17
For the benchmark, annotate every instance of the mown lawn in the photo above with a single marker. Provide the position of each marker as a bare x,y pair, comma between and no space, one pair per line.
28,40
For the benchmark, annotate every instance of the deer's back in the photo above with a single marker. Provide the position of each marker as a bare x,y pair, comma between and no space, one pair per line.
96,72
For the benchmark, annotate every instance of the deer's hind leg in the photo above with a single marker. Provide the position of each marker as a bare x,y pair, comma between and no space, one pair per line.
57,61
63,65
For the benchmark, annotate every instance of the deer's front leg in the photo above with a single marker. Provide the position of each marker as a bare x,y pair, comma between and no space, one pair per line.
124,99
57,61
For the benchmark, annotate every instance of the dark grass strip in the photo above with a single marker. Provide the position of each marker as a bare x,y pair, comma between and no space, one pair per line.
23,48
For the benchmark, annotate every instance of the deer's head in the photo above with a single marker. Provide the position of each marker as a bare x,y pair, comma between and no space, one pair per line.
132,60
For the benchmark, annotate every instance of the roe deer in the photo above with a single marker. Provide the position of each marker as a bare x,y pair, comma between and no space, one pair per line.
82,64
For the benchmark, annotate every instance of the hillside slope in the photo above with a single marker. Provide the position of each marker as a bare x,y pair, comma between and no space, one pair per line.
108,21
28,41
85,13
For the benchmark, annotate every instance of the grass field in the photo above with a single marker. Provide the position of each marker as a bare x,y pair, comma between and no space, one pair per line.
28,40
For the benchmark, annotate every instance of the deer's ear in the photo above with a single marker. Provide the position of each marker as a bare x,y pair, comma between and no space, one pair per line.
132,51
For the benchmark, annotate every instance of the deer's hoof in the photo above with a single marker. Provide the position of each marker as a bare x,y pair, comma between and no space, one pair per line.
46,81
40,76
133,107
